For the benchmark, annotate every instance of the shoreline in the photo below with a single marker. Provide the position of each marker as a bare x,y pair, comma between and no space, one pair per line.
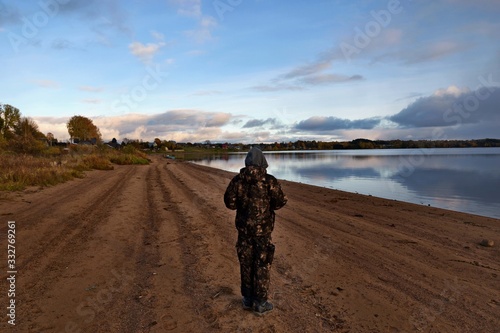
360,195
367,194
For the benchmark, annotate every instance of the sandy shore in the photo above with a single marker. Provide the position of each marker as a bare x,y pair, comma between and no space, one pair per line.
151,249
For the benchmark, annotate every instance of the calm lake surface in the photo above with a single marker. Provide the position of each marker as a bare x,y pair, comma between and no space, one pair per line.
460,179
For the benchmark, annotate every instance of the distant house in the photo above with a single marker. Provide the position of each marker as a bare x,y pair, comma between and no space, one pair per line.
89,142
114,144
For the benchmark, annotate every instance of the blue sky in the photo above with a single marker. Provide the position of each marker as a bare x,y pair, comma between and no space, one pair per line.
255,70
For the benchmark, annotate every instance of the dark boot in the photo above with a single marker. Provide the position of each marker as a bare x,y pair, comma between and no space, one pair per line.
247,303
261,308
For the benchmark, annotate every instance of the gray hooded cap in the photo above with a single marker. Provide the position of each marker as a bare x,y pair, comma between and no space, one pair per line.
255,157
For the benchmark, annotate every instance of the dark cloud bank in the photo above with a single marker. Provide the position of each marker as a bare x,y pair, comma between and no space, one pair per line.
482,105
445,109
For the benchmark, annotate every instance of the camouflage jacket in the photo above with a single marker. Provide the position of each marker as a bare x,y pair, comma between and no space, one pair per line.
255,195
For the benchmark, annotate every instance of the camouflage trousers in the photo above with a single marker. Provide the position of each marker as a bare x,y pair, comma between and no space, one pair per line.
256,256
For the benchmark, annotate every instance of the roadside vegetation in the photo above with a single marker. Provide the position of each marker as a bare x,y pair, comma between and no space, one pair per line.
31,158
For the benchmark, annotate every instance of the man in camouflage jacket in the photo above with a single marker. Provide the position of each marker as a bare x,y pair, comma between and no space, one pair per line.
255,195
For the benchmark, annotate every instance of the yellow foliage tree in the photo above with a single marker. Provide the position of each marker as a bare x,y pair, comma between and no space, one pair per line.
83,128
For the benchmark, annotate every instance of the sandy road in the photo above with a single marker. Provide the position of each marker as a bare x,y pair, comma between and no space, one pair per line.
151,249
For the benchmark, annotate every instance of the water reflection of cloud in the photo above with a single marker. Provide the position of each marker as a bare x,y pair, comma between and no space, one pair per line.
453,184
333,173
447,178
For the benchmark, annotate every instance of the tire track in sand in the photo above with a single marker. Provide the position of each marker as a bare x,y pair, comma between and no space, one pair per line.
43,267
193,247
206,194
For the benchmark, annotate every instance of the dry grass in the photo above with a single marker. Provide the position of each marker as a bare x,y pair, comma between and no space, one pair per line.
129,155
20,171
97,162
50,168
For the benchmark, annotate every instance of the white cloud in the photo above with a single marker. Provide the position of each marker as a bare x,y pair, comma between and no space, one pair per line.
109,133
451,90
171,125
190,8
46,83
54,125
203,33
145,52
205,23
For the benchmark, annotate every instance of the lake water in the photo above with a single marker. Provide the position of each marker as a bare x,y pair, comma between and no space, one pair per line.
461,179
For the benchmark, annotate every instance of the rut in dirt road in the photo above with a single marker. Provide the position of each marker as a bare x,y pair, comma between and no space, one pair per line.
47,261
289,291
200,246
74,266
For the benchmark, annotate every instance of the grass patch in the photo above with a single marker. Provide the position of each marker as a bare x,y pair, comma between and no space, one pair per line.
18,171
126,159
129,155
97,162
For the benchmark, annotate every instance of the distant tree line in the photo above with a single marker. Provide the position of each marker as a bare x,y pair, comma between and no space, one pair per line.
354,144
383,144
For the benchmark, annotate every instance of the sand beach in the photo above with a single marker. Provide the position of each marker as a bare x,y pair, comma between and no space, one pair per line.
152,249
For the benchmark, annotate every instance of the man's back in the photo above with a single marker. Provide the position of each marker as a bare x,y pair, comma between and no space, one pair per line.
255,195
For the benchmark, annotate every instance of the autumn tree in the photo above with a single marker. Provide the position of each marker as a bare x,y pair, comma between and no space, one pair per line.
27,138
170,145
82,128
50,138
9,117
27,127
157,142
